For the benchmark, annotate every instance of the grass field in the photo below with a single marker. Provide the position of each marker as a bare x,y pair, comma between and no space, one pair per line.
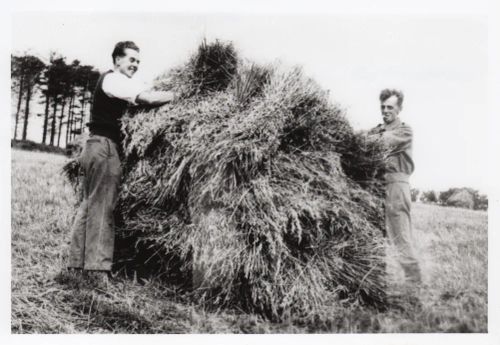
452,246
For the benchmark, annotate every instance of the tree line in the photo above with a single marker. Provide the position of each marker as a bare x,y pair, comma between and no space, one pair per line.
63,90
456,197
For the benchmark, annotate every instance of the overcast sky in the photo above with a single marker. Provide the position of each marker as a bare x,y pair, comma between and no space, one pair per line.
440,62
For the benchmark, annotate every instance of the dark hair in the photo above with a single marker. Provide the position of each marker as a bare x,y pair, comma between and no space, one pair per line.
386,93
120,48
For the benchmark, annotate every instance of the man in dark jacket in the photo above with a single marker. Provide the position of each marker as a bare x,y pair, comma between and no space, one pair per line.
92,241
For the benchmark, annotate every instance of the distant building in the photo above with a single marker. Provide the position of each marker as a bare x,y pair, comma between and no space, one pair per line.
461,198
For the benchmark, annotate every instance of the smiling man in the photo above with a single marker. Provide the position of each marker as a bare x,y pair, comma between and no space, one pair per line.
398,137
92,241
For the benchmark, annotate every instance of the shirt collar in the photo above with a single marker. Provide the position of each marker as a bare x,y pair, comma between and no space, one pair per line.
115,70
392,125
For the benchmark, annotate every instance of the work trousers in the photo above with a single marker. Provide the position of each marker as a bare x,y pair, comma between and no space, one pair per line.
398,224
92,241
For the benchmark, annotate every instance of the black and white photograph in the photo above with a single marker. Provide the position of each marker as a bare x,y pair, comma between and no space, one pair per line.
195,171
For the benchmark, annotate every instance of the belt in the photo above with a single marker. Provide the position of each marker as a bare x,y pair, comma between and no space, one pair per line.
117,145
106,133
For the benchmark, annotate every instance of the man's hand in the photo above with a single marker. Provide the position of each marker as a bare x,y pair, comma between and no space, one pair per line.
373,133
377,130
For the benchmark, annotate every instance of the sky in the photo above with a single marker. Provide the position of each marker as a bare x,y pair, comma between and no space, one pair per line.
439,61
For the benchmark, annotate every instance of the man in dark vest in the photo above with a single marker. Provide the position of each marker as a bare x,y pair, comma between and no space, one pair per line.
398,137
92,241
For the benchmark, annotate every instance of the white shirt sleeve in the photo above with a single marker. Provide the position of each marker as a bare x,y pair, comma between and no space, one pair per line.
120,86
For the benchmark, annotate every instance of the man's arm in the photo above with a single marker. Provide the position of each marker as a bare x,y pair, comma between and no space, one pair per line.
119,86
398,138
155,98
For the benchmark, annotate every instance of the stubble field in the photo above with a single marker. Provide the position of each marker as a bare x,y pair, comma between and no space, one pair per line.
452,247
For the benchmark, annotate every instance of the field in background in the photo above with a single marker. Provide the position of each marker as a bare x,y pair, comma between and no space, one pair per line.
34,146
452,245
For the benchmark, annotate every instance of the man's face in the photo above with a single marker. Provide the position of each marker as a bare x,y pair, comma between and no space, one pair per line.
390,109
129,63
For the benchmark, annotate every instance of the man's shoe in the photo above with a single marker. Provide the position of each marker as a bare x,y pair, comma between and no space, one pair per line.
75,270
413,274
99,279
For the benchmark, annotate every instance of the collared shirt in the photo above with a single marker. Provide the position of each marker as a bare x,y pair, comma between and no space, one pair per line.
398,136
118,85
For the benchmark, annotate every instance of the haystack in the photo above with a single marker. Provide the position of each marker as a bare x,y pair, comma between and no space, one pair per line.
254,187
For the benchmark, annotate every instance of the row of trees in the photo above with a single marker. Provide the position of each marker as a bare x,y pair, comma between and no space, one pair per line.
458,197
63,90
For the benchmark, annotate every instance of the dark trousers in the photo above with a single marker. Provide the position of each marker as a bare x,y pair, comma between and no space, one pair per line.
92,241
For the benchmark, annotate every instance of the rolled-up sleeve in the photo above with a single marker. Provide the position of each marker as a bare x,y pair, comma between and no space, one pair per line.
117,85
399,138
